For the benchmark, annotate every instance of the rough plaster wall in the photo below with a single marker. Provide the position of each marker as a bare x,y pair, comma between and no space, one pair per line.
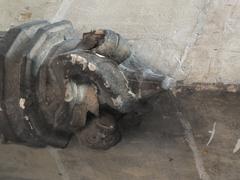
191,40
215,56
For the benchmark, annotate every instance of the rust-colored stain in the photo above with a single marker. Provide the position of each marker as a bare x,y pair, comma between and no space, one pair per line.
25,14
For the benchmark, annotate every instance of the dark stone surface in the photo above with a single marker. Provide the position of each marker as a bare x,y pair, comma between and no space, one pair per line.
156,149
202,110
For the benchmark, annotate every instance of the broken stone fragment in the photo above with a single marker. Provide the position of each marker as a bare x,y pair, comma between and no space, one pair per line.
54,84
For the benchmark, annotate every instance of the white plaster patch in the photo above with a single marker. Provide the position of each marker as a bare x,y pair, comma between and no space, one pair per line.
76,59
26,117
92,67
22,103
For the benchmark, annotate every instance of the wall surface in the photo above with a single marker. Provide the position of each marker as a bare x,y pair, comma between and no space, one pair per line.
190,40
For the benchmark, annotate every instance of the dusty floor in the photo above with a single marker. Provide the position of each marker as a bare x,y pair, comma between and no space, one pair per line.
162,148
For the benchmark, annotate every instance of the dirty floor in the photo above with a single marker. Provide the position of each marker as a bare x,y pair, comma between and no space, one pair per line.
170,144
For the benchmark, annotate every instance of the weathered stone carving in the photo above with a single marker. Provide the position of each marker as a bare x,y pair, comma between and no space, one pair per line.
54,84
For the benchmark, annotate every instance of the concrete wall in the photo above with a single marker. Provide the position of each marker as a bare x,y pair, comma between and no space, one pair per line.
190,40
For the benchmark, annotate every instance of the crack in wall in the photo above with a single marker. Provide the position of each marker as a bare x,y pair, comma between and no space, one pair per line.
197,31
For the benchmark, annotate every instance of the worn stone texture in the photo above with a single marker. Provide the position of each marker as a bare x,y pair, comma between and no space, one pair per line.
158,149
190,40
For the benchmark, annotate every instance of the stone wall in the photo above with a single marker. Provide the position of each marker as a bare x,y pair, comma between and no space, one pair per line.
190,40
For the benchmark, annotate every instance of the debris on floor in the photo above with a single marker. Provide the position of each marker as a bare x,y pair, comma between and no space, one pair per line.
146,151
212,132
237,146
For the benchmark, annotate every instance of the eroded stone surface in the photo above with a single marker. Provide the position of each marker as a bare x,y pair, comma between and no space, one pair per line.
157,149
195,41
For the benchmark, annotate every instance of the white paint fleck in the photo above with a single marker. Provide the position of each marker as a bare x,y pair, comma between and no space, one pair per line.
131,93
99,55
124,78
1,109
92,67
212,133
127,85
22,103
237,147
29,122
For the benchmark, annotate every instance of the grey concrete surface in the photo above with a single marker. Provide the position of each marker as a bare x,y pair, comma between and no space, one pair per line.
190,40
160,148
203,110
